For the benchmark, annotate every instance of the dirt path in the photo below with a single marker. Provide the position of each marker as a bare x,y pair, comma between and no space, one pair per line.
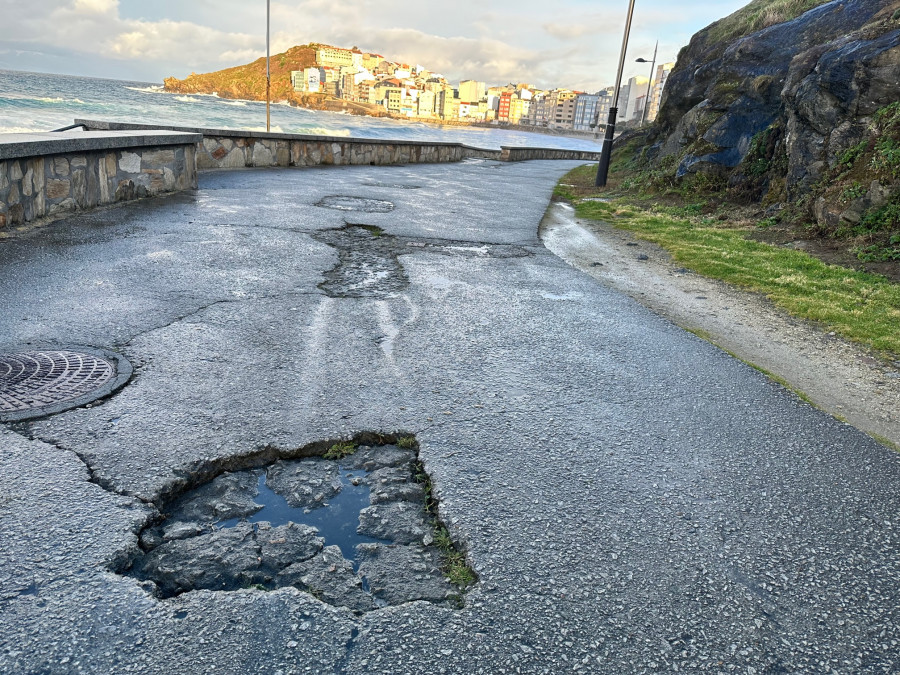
839,377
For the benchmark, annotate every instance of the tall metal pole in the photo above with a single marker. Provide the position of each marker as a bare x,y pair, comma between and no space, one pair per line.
650,86
603,166
268,72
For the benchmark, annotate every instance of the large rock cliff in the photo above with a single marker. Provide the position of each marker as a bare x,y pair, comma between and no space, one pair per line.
801,114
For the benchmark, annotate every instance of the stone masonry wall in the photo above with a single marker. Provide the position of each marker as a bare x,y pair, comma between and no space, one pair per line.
40,186
510,154
230,152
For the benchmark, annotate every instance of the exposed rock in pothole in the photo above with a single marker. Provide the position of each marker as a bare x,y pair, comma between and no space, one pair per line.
355,528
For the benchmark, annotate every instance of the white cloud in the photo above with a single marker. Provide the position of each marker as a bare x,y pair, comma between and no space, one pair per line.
549,44
95,6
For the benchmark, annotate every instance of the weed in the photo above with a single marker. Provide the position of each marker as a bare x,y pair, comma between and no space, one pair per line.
887,157
884,218
851,192
767,222
340,450
406,442
374,230
887,117
850,155
757,15
454,563
880,252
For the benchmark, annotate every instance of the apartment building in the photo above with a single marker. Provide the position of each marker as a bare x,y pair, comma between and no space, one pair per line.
470,90
585,117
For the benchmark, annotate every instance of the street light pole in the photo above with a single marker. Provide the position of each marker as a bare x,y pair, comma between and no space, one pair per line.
268,72
606,152
649,86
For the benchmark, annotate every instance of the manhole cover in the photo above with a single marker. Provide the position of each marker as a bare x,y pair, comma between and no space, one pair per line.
38,383
365,205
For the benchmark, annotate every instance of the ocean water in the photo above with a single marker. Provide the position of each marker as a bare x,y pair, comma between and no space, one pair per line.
42,102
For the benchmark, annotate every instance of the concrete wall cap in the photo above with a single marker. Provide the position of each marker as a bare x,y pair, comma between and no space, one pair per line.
17,146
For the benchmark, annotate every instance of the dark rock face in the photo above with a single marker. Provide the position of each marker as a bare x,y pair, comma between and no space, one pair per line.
830,95
817,78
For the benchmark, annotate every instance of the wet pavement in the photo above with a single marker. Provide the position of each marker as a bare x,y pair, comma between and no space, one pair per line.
632,499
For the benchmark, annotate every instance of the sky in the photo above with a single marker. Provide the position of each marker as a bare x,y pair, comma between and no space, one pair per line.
573,44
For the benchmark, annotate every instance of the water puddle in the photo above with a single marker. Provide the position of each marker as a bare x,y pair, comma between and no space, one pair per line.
337,520
355,527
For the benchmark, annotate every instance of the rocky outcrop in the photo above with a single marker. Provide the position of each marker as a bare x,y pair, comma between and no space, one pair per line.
790,113
815,77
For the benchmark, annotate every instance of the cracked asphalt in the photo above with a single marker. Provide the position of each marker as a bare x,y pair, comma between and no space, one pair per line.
633,499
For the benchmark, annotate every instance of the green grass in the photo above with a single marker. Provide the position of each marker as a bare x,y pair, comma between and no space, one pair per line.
340,450
406,442
454,562
860,306
757,15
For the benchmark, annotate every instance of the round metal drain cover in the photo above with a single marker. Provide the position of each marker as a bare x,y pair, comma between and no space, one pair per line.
363,204
38,383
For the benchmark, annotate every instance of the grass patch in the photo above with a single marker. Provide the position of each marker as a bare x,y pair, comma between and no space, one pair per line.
406,442
455,566
860,306
757,15
340,450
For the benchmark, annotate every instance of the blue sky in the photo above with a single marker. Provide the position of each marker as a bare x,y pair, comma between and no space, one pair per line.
564,43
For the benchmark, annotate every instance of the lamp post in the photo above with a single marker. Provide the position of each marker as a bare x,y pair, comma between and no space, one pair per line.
268,72
606,152
649,86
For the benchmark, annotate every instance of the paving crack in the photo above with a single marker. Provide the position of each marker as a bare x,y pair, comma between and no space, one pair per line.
202,308
24,429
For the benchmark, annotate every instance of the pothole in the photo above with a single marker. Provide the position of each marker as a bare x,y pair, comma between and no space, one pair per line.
356,527
349,203
369,259
368,266
38,383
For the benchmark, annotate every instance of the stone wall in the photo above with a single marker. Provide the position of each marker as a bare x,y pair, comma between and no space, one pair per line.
510,154
79,171
228,152
227,149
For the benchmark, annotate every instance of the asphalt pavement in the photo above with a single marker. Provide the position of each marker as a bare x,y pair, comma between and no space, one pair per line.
632,499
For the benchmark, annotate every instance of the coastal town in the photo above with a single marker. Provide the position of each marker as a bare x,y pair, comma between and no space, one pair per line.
414,92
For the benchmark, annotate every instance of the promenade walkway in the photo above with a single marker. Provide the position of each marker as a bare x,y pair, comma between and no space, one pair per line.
631,498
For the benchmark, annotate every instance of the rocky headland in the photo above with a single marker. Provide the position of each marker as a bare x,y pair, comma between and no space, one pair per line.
248,82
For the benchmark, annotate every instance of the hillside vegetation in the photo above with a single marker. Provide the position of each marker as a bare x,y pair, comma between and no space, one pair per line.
797,122
757,15
774,163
